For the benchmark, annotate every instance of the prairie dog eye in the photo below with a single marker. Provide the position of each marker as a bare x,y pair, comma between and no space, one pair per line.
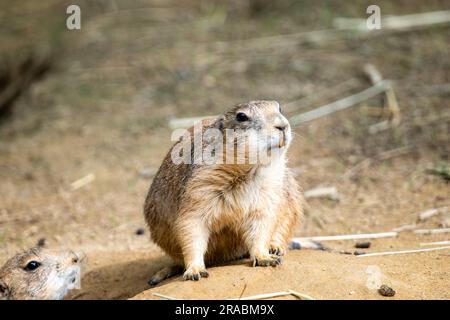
32,265
241,117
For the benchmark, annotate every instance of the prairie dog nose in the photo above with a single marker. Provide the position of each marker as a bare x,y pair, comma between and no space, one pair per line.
281,124
77,257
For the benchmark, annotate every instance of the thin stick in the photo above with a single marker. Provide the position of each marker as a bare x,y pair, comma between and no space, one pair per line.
264,296
406,227
297,294
432,231
405,22
401,252
301,296
179,123
242,292
373,73
296,105
339,104
438,243
80,183
432,212
391,101
350,236
159,295
328,192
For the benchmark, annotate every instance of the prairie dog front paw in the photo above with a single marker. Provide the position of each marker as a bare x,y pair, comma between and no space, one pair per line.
195,273
277,250
267,260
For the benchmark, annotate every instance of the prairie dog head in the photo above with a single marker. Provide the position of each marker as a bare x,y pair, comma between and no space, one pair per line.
253,133
260,122
40,274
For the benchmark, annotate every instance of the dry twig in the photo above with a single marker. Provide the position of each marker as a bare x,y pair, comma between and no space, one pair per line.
402,252
391,101
432,212
325,192
299,295
432,231
349,236
339,104
398,23
80,183
159,295
437,243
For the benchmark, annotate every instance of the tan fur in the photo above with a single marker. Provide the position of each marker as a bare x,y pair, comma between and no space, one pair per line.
208,214
57,274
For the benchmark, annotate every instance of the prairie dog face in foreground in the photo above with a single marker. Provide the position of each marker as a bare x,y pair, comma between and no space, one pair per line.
40,274
260,123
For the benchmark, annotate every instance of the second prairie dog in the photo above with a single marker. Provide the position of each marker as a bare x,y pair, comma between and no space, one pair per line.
207,214
40,274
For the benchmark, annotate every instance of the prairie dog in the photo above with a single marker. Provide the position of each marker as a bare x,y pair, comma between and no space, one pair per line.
40,274
204,214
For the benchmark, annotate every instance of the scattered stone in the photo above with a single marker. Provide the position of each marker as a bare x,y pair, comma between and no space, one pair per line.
358,253
148,173
386,291
306,244
345,252
445,223
41,242
140,231
330,193
363,245
28,176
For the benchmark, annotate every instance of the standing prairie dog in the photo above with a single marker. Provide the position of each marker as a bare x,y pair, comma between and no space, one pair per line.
204,214
40,274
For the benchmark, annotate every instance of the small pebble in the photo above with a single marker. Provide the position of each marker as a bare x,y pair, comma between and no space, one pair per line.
28,176
345,252
386,291
147,173
41,242
358,253
363,245
295,245
140,231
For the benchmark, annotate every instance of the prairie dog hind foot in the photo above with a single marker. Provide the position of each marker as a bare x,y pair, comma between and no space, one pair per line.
165,273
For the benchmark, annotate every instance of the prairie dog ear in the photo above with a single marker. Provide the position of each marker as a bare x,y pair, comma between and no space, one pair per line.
219,123
4,290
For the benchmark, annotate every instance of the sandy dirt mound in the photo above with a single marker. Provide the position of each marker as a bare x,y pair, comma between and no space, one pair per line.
320,274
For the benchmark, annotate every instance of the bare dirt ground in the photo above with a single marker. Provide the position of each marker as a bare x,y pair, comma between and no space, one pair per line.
103,111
